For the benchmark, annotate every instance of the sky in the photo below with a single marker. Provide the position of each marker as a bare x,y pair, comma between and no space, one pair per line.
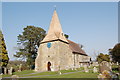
92,24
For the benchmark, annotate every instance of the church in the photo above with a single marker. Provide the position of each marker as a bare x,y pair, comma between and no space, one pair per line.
58,53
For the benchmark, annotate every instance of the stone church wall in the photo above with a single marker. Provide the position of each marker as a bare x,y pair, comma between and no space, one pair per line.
66,56
59,55
46,55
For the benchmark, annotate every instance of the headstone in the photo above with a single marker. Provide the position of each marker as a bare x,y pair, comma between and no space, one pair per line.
85,68
60,72
95,70
72,68
89,66
51,68
117,63
5,70
66,68
104,65
20,68
10,71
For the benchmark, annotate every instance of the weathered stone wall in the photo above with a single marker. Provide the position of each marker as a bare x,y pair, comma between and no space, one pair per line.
59,55
66,56
81,60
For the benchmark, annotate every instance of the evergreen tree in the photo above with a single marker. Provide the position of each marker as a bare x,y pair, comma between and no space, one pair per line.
29,42
3,52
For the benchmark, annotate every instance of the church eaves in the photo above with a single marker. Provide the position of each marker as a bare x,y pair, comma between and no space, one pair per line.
55,30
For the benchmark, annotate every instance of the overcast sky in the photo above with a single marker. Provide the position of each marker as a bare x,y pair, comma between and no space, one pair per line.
92,24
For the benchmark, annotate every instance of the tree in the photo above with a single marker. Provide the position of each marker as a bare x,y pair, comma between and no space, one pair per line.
28,43
103,57
115,52
3,52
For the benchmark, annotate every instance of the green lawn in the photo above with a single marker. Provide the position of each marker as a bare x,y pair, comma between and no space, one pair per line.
55,74
20,73
74,75
65,74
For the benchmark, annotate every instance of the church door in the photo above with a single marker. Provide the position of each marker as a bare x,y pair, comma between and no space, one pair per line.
49,66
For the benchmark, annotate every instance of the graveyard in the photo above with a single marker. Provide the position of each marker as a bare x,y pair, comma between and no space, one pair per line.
82,72
78,73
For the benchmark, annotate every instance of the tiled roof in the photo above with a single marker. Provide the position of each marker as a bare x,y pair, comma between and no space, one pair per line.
76,48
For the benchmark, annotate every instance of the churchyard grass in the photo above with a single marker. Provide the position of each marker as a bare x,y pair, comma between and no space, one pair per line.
74,75
40,74
24,72
55,74
6,76
20,73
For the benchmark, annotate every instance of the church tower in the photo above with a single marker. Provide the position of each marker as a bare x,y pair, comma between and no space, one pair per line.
54,52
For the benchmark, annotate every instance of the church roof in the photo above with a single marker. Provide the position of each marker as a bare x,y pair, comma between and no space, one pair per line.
55,31
76,48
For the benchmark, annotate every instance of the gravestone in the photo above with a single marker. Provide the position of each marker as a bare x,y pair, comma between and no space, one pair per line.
5,70
117,63
10,71
85,68
51,68
59,72
104,65
66,68
20,68
95,70
72,68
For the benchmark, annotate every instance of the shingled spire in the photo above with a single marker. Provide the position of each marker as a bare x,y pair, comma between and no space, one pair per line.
55,31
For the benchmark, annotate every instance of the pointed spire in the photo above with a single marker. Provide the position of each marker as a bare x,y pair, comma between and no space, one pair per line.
55,31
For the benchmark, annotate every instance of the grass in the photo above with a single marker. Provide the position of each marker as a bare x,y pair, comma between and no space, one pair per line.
39,74
74,75
55,74
65,73
24,72
20,73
